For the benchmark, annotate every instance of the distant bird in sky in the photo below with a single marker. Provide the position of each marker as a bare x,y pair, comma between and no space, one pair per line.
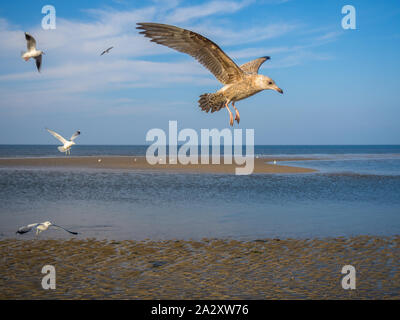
239,82
106,51
41,227
32,52
67,144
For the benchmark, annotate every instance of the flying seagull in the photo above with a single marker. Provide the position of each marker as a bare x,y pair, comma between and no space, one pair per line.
32,52
41,227
67,144
239,82
106,51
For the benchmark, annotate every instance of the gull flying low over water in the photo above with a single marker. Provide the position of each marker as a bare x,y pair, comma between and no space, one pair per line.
32,52
41,227
106,51
239,82
67,144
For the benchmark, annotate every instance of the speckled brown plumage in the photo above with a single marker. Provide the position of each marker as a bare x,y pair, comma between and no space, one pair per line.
239,82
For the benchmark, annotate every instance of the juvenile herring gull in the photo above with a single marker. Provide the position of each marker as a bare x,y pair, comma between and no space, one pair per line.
32,52
41,227
239,82
67,144
106,51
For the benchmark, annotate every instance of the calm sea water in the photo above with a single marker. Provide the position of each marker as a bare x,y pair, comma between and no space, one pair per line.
356,191
140,150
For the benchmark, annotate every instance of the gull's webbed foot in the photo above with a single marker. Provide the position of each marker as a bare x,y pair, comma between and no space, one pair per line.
237,115
230,114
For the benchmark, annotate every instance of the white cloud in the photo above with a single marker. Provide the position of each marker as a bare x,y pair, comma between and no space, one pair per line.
204,10
288,56
224,36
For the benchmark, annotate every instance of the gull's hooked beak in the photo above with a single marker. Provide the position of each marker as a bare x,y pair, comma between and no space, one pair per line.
279,90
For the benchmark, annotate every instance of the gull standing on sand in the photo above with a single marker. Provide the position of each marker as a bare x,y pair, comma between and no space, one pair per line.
239,82
67,144
41,227
106,51
32,52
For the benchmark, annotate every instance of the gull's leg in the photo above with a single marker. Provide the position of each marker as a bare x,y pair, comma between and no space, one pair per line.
230,114
237,115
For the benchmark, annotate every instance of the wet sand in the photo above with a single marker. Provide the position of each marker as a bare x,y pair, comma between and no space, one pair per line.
140,163
207,269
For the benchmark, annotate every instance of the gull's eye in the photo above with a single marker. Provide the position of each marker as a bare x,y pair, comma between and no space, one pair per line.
270,82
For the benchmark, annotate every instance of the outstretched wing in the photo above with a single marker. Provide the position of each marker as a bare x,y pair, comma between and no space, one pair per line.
57,226
253,66
77,133
30,41
57,136
202,49
38,62
27,228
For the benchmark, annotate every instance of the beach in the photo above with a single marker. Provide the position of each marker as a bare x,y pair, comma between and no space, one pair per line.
261,165
205,269
199,231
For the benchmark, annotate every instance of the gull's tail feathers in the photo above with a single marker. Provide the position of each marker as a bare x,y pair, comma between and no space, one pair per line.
61,149
212,101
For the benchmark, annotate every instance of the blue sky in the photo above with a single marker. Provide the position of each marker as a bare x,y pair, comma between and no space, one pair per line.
340,86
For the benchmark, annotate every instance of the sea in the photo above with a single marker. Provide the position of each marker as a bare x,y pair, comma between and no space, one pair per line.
355,191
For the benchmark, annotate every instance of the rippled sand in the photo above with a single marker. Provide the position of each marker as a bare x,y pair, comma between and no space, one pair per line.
208,269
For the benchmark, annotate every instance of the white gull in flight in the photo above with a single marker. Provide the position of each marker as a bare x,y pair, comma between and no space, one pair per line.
32,52
41,227
106,51
67,144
